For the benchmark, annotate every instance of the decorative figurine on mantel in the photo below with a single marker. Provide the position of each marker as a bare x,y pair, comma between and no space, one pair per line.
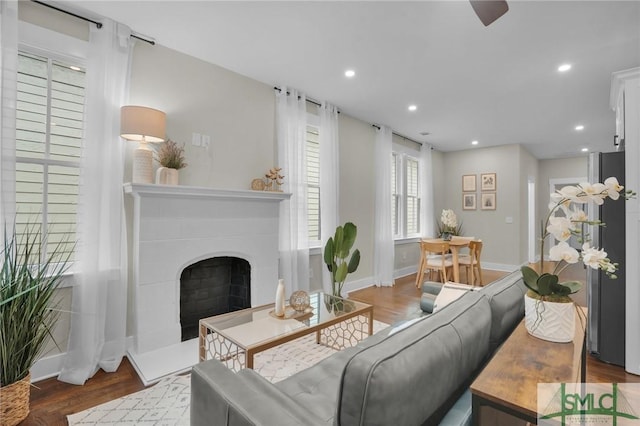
275,179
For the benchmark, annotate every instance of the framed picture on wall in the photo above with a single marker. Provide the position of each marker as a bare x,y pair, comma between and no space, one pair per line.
488,181
468,201
468,183
488,201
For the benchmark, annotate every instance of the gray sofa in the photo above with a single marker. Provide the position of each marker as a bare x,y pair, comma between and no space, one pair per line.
403,375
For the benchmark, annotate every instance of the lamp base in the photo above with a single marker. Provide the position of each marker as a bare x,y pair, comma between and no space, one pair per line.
142,165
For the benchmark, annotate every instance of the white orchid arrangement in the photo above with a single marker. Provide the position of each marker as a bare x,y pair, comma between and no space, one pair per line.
449,222
546,285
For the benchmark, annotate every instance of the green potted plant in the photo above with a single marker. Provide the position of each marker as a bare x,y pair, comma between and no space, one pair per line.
27,315
171,159
549,311
336,253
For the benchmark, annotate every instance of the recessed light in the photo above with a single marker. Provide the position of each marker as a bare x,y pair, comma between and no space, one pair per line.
579,127
350,73
73,67
564,67
585,149
474,142
412,107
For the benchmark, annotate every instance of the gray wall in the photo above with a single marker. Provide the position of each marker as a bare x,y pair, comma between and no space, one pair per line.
499,237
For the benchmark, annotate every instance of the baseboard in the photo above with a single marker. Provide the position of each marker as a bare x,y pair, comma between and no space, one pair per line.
403,272
504,267
47,367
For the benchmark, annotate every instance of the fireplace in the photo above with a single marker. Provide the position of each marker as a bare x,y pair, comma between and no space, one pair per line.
175,227
212,287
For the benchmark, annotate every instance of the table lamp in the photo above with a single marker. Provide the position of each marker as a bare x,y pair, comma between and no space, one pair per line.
142,124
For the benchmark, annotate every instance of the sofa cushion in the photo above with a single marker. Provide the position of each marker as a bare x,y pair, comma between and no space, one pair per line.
417,369
316,388
506,298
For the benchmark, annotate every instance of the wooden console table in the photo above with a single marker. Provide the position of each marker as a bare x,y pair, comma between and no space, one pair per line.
509,381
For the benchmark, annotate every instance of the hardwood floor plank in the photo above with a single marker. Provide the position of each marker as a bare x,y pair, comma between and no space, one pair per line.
52,401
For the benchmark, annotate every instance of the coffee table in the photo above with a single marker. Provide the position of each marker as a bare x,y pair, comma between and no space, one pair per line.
234,338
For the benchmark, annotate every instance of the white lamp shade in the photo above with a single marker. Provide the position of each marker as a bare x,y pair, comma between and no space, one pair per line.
139,123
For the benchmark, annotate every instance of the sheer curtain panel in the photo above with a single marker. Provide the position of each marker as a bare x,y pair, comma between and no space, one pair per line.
383,249
427,228
291,116
8,74
329,178
99,306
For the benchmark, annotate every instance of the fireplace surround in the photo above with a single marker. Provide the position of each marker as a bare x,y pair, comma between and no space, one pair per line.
177,226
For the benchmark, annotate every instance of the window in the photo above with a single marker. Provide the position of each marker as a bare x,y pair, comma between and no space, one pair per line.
405,195
313,185
49,125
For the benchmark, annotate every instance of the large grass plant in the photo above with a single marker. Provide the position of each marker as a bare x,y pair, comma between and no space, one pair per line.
28,309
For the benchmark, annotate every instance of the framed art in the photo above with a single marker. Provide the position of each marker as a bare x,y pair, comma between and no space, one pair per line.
468,183
488,181
488,201
468,201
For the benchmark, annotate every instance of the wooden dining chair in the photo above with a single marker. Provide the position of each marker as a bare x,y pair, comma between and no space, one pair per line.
471,262
434,257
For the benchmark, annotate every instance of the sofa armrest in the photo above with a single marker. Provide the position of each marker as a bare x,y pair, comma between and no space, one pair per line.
222,397
430,287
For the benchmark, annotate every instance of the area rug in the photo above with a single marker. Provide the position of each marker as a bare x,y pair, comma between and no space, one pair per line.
167,402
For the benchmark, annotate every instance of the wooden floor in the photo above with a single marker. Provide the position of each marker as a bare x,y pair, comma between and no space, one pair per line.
52,401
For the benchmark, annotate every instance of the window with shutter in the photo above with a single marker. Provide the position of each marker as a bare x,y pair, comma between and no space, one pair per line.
405,195
49,126
313,185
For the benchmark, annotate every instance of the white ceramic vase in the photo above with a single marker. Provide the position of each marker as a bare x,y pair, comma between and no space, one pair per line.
279,309
550,321
166,176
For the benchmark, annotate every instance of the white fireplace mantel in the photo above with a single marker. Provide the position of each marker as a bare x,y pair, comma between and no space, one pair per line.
177,226
177,191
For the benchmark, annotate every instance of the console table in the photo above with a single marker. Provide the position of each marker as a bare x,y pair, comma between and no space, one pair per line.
509,381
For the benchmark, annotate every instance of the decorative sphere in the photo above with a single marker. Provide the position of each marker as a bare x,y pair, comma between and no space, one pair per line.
299,300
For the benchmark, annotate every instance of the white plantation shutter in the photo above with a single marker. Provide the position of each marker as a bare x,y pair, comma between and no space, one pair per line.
395,196
313,184
49,126
413,197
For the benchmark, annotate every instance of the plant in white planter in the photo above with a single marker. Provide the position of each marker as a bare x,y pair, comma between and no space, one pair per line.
549,311
171,159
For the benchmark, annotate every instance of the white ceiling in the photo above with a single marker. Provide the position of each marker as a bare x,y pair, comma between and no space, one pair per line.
497,84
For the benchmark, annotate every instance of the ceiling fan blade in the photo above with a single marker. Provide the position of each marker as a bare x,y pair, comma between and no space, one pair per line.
489,10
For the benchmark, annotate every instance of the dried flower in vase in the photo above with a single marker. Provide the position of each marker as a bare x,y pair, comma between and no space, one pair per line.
171,155
275,177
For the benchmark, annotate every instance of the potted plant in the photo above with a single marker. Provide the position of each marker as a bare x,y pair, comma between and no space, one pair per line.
336,253
448,225
27,315
171,159
549,311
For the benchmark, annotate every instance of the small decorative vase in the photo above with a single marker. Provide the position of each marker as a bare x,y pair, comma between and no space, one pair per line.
447,236
166,176
550,321
14,402
279,309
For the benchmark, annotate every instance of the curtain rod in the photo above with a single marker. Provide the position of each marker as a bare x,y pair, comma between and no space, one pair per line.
401,136
84,18
311,101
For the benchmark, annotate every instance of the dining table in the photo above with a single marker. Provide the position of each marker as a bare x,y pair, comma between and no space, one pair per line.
455,244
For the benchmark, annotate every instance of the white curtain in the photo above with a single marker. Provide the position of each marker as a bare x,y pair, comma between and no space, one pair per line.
8,76
329,178
383,249
291,116
99,306
426,209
